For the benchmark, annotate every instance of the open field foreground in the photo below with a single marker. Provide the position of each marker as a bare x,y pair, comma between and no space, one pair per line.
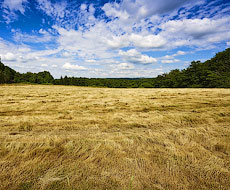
62,137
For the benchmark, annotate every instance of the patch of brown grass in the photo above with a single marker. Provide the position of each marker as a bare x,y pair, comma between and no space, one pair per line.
62,137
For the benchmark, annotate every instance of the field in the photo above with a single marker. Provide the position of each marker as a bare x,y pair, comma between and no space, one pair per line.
63,137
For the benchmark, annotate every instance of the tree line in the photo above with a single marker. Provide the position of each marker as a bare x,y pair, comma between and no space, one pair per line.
213,73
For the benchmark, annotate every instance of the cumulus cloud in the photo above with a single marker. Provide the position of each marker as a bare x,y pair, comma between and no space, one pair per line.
140,9
23,57
66,54
117,42
149,41
90,61
170,61
15,5
101,37
41,36
88,44
70,66
18,56
133,56
196,28
54,66
56,10
123,66
9,57
198,32
11,8
178,53
24,49
44,65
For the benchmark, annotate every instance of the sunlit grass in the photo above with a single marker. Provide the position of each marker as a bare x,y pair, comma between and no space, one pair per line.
61,137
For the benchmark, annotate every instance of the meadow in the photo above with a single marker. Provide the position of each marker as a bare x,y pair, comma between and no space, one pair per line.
65,137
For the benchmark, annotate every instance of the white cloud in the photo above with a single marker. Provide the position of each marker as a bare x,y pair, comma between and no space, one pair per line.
140,9
90,61
117,42
73,67
83,7
44,65
102,39
123,66
195,28
179,53
15,5
133,56
88,44
42,31
66,54
9,57
54,66
57,10
40,37
149,41
114,10
196,32
170,61
10,8
171,57
24,49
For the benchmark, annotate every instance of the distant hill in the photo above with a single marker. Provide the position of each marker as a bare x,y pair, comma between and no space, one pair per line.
213,73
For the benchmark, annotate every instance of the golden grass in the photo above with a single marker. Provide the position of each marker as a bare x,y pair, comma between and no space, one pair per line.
61,137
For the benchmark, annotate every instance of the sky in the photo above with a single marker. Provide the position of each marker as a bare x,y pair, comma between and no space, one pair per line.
111,38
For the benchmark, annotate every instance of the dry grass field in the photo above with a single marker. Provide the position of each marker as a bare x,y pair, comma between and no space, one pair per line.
63,137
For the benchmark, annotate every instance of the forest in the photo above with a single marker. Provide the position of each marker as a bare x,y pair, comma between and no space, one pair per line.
213,73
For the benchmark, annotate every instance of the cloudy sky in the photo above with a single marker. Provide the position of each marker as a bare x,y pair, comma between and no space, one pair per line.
111,38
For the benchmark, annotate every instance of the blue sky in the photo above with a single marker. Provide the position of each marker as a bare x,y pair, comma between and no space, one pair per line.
116,38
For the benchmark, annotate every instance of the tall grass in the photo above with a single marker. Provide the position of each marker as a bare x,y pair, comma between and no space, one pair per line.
62,137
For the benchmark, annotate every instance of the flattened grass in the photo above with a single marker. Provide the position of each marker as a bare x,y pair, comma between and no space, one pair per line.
62,137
